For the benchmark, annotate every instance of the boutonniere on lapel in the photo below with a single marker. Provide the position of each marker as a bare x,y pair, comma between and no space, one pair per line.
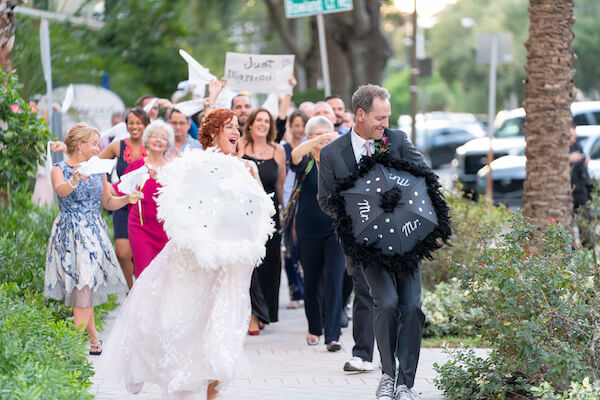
382,145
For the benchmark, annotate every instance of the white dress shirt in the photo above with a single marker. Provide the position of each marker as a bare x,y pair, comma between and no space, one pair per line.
358,145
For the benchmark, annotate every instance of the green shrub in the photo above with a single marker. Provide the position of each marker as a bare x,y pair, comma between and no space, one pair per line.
40,358
448,313
23,136
540,298
23,243
470,233
578,391
467,376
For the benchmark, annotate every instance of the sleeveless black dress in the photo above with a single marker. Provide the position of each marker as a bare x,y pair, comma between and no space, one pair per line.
268,274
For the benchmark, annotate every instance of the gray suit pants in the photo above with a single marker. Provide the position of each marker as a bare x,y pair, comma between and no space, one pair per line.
362,317
398,321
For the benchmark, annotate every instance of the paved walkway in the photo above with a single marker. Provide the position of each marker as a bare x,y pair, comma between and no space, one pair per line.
285,367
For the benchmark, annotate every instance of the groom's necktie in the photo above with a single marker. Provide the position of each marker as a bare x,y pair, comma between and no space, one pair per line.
368,148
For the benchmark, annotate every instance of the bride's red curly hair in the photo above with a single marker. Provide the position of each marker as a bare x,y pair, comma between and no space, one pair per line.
212,125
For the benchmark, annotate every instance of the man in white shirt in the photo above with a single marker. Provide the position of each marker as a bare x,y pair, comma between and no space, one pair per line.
398,318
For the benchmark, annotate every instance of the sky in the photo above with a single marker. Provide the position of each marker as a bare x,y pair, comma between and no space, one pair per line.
426,9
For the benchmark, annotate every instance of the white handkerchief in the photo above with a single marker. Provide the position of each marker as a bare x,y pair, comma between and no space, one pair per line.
96,165
131,180
271,104
191,107
48,162
68,101
150,105
119,131
197,74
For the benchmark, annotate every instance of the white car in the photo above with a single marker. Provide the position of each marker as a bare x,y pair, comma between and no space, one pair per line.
508,172
509,139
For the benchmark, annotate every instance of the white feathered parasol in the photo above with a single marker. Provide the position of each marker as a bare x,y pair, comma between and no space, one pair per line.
212,206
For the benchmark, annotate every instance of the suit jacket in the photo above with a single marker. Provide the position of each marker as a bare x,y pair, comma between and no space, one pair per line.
337,161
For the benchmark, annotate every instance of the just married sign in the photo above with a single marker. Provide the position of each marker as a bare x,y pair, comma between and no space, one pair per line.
259,73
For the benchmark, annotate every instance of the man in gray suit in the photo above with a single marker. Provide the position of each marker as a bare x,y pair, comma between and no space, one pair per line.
398,319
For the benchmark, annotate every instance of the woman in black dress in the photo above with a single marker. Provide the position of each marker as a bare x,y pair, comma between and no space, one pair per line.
320,252
126,151
258,145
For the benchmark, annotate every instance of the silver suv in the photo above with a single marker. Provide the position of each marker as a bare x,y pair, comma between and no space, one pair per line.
509,138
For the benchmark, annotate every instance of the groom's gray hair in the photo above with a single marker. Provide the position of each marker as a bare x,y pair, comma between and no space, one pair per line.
364,95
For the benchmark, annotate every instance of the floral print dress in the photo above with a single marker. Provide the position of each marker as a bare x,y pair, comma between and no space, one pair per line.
81,265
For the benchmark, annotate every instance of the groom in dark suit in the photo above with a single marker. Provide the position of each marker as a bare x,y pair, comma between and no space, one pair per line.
398,319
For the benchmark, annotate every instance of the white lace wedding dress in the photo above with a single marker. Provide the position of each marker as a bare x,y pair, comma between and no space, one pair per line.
185,320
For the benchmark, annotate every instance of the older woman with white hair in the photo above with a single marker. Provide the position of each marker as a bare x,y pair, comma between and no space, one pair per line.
320,253
146,233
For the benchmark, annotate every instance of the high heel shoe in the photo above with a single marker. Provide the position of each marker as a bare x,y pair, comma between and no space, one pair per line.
254,333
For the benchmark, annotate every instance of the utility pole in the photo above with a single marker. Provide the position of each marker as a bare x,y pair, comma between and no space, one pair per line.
414,76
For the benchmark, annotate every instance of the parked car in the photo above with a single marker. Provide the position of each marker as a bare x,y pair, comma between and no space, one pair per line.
440,133
508,172
509,139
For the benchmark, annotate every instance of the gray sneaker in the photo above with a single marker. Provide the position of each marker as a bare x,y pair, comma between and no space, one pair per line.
404,393
385,390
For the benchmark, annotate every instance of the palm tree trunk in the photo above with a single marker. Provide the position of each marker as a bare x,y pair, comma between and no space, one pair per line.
549,92
7,30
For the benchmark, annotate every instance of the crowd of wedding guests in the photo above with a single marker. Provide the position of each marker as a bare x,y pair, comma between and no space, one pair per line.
285,149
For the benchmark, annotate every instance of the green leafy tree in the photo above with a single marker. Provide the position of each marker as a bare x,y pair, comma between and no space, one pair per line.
74,58
587,45
453,49
139,44
137,47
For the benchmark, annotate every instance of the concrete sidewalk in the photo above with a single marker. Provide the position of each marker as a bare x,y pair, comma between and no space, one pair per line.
283,366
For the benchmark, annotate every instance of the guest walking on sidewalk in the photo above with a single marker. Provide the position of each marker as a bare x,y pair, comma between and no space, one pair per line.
320,253
81,265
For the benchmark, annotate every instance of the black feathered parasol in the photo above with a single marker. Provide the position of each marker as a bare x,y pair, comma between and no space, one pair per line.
390,213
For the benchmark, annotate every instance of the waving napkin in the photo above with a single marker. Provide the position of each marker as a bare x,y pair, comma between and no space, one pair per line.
96,165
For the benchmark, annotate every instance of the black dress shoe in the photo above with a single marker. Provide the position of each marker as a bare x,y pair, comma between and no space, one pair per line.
333,346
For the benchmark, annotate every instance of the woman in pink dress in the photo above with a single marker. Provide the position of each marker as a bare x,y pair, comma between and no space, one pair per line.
146,234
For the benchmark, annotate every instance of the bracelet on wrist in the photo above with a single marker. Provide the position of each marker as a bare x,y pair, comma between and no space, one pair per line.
69,183
211,106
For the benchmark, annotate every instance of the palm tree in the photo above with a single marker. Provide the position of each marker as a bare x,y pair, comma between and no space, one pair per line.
7,30
549,92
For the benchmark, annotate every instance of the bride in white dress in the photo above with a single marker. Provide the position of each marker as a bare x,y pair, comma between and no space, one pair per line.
184,322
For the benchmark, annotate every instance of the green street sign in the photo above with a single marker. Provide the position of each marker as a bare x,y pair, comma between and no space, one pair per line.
303,8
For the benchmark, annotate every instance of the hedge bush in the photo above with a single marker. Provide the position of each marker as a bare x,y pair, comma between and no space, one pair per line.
42,355
470,234
23,242
23,135
40,358
585,390
448,313
540,296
